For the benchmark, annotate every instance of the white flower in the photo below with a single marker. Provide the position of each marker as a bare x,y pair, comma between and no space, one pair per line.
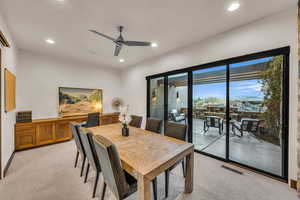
124,116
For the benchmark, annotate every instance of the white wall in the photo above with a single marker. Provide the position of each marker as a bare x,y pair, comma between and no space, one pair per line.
9,61
272,32
39,77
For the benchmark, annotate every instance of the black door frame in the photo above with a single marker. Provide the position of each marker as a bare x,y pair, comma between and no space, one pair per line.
284,51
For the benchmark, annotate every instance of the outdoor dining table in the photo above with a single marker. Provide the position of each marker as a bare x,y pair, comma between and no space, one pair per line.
145,155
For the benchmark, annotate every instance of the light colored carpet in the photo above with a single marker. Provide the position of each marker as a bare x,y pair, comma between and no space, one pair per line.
47,173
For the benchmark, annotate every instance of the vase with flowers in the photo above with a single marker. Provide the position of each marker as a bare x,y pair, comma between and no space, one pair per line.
124,118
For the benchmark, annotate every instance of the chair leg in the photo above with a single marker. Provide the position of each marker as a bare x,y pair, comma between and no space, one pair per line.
183,170
76,159
154,185
87,172
167,177
103,191
95,185
82,167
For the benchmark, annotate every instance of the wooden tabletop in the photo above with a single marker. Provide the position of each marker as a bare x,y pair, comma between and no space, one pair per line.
142,150
145,154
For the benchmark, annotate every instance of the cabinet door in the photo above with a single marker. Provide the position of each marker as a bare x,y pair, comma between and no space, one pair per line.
63,131
105,120
45,133
25,137
115,119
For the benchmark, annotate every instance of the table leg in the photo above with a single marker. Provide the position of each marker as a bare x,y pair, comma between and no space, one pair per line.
189,179
144,188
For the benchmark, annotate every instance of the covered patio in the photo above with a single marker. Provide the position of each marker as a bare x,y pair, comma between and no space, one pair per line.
252,145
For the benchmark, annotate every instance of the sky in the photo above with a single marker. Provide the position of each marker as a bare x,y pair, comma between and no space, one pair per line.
250,89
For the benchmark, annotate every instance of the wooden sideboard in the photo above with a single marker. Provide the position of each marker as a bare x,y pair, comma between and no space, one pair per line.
48,131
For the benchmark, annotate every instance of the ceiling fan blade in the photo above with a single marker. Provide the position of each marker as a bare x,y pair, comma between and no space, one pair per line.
103,35
136,43
117,50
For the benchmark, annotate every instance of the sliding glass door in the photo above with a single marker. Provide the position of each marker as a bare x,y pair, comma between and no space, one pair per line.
209,110
157,98
256,95
178,98
235,110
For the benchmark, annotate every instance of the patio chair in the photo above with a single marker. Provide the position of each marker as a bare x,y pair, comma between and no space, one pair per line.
246,124
212,122
177,117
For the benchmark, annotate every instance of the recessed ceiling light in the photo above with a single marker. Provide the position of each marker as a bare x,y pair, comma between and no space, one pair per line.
154,44
50,41
234,6
121,60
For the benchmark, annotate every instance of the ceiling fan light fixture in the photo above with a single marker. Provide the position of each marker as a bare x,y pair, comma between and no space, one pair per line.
154,44
50,41
234,6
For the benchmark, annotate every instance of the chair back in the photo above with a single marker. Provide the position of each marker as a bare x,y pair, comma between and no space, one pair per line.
176,130
153,125
213,121
75,131
93,120
111,166
250,125
88,144
136,121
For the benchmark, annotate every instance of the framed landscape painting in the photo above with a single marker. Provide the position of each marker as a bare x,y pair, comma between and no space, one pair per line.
79,101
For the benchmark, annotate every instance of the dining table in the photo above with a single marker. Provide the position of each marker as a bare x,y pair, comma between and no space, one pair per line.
145,155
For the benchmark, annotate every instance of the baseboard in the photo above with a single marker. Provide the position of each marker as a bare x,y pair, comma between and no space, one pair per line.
293,184
8,164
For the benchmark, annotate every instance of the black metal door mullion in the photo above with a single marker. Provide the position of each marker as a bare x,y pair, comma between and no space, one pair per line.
148,96
165,101
285,116
190,106
227,111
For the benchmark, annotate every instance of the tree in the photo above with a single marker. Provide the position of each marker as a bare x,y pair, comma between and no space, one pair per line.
271,87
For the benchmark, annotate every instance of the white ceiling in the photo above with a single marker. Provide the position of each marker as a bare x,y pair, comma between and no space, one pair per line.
171,23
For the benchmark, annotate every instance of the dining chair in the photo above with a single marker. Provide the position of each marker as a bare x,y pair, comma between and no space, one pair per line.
88,144
80,149
177,131
92,120
118,180
136,121
154,125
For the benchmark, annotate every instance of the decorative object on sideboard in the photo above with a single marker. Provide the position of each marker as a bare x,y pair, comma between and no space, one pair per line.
79,101
3,40
24,116
9,90
117,103
124,118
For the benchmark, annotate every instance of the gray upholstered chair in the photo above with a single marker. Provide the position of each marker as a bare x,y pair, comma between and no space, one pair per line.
176,116
88,144
93,120
136,121
80,149
177,131
153,125
118,180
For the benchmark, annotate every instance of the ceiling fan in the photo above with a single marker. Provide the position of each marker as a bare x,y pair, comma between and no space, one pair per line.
120,41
